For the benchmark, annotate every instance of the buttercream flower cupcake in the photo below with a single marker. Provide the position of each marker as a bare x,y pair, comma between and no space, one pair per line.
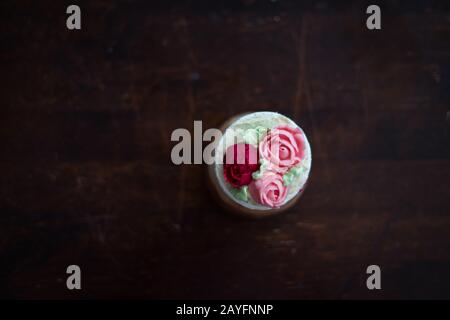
261,164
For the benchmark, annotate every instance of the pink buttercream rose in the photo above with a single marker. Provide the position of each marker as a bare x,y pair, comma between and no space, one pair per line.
269,189
283,147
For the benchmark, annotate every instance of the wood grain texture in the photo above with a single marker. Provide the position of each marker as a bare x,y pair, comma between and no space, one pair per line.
86,176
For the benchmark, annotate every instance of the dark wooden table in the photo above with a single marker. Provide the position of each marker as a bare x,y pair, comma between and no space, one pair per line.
86,176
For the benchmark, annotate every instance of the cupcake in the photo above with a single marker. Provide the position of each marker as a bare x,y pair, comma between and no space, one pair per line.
261,164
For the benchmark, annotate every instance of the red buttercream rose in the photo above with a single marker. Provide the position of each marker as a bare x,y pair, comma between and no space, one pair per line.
240,161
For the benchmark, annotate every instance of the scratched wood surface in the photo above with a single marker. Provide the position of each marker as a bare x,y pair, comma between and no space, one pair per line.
86,176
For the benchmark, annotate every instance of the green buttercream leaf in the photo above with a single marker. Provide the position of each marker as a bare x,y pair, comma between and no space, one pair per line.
290,176
263,165
254,135
251,137
241,194
261,131
256,175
